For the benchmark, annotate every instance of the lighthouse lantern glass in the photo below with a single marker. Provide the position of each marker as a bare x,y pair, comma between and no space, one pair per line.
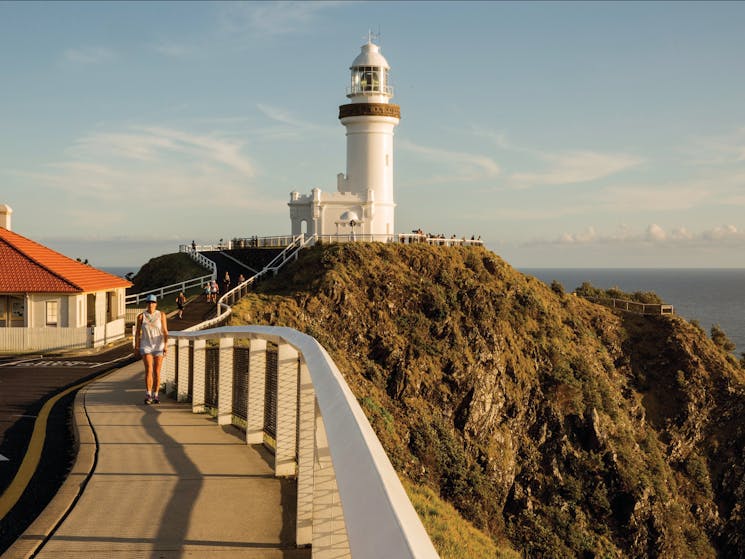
369,79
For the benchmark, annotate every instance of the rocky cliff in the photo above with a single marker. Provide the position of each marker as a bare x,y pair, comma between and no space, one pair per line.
546,420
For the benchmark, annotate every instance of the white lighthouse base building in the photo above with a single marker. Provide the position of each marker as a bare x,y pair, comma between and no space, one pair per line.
344,215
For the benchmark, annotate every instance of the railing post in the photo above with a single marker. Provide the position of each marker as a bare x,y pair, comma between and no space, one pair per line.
182,390
256,387
199,375
225,388
169,367
305,457
287,379
330,538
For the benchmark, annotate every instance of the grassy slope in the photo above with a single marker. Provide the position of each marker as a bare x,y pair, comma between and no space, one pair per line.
540,417
166,270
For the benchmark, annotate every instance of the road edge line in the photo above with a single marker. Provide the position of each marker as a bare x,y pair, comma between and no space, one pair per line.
27,544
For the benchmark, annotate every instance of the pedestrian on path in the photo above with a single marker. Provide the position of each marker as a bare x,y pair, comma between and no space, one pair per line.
226,283
180,303
151,338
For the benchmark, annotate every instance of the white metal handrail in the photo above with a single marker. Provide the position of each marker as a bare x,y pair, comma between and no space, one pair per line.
290,250
434,240
136,298
230,297
350,501
200,259
633,306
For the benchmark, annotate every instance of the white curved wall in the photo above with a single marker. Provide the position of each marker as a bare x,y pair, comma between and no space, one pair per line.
370,168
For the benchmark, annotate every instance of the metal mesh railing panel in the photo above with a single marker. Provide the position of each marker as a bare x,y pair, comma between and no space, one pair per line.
240,382
212,356
270,395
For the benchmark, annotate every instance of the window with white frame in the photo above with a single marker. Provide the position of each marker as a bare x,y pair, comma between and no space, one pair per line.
52,312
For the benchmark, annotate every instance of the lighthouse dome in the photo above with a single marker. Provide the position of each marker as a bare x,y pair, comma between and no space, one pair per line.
370,56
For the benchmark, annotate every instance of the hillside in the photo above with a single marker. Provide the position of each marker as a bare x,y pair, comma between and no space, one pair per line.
546,420
166,270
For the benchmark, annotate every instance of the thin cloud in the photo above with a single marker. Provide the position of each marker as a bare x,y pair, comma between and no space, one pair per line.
271,18
156,143
174,49
724,149
186,169
88,55
453,166
653,234
559,168
574,167
283,116
656,196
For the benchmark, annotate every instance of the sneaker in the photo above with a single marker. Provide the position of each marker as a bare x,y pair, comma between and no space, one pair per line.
156,400
148,399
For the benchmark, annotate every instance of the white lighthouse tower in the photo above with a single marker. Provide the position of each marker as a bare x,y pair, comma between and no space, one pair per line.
363,206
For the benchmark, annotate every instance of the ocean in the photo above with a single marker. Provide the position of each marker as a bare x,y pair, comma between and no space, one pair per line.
710,296
120,271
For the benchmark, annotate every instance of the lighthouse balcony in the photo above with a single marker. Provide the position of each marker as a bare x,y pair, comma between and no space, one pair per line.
359,89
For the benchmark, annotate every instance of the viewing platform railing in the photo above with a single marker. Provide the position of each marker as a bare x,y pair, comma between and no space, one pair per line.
282,387
439,241
137,298
287,240
633,306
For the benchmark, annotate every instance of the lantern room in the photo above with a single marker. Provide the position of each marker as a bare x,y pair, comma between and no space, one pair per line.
370,77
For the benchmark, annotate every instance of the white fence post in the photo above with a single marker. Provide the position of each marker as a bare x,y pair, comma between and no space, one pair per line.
287,379
182,390
256,388
225,388
199,375
169,367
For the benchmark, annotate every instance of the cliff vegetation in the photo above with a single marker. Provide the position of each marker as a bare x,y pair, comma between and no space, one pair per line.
554,426
166,270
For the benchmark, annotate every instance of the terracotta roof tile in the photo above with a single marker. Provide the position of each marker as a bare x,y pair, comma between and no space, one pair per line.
29,267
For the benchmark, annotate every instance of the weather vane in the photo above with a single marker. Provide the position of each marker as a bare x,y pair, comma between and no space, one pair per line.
371,35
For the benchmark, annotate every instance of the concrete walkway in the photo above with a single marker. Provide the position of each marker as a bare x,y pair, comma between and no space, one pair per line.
166,483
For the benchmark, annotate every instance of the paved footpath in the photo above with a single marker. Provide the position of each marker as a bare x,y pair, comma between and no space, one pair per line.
166,483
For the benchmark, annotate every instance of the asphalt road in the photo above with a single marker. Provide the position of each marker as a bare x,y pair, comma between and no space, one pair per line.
26,384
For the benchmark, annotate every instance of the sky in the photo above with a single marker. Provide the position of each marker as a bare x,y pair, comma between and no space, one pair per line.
565,134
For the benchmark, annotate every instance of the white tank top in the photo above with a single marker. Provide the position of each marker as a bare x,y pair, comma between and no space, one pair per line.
151,335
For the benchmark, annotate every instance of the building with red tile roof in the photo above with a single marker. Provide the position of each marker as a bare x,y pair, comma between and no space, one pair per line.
49,301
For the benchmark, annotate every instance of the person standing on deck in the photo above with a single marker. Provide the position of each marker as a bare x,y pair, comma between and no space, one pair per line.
151,338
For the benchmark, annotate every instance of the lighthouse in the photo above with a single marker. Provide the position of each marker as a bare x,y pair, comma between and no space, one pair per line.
363,206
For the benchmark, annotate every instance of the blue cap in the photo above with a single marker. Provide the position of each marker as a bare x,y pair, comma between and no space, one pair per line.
151,299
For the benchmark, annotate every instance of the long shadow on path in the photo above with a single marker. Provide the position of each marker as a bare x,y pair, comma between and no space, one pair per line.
170,484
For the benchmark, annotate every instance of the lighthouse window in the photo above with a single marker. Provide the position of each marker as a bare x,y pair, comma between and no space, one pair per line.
366,78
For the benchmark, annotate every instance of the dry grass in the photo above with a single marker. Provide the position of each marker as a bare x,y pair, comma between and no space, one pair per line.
452,535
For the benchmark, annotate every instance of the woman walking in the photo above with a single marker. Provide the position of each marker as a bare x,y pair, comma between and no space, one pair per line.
151,338
181,303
